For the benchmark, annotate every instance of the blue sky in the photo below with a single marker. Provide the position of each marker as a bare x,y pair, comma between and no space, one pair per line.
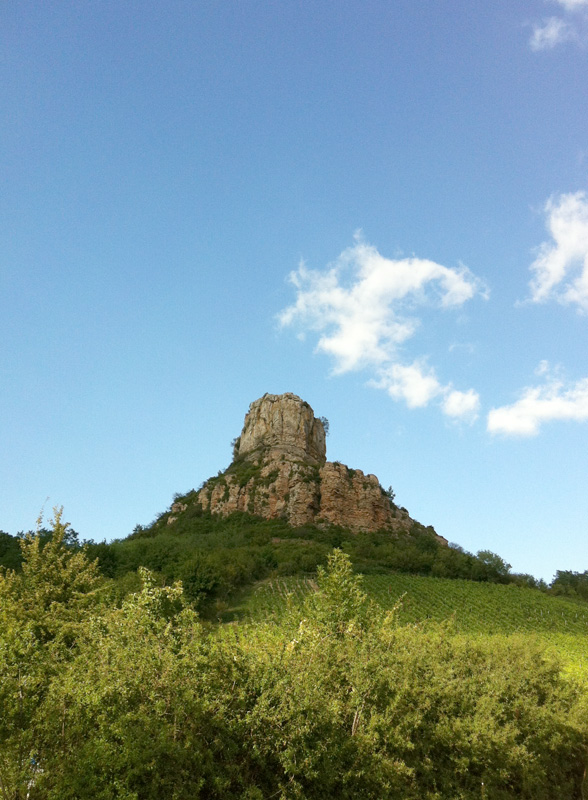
380,206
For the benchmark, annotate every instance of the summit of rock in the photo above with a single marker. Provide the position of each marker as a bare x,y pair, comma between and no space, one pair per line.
282,424
280,470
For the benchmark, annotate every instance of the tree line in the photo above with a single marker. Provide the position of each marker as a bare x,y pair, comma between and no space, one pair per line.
215,556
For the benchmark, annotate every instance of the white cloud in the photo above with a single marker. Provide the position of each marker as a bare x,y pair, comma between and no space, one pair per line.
561,267
416,384
462,405
549,33
362,308
543,368
359,304
555,30
554,400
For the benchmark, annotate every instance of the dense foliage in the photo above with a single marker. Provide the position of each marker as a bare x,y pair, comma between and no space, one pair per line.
571,584
138,699
214,556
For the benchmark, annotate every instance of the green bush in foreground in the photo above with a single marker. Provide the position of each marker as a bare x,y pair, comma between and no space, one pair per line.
335,701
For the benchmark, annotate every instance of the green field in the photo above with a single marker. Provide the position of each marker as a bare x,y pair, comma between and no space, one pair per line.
483,609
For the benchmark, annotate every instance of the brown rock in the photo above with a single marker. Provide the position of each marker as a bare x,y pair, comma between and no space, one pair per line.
280,470
283,424
358,499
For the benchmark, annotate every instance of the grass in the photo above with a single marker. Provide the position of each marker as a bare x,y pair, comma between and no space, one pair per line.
474,609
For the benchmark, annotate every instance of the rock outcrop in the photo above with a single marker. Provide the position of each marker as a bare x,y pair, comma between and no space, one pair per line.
277,425
280,470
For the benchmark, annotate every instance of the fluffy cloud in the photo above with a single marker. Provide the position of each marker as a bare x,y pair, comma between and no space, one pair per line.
553,400
549,33
555,30
416,384
462,405
362,308
561,267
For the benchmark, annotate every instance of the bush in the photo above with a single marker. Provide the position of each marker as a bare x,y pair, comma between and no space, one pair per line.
338,701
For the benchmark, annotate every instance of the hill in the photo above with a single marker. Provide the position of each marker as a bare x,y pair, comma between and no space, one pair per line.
279,508
280,470
435,673
471,608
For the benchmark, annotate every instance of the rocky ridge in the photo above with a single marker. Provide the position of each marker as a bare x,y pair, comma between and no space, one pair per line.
280,470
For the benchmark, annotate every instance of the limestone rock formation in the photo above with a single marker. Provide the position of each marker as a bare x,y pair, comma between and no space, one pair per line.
280,470
283,424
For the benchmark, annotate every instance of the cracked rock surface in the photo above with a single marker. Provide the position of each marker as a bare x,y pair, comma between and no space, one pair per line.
280,470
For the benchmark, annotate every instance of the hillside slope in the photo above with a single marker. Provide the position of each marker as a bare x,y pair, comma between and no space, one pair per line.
280,470
471,608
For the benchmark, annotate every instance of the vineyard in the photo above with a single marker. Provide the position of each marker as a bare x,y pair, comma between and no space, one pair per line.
472,608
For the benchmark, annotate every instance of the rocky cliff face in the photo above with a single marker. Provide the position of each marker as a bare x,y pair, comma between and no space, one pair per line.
280,470
277,425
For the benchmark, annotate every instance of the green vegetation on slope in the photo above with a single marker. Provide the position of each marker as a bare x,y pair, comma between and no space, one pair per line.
474,609
215,556
337,699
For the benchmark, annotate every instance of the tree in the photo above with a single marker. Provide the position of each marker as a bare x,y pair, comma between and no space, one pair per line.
42,612
9,551
493,567
340,598
148,709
